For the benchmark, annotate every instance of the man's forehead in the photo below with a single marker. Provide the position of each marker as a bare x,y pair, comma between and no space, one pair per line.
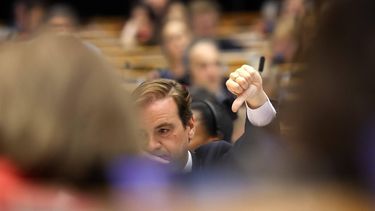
165,105
160,111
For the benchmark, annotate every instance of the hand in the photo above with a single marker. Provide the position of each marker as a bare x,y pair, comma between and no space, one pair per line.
246,83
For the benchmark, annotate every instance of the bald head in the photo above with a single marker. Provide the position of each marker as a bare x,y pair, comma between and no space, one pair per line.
204,62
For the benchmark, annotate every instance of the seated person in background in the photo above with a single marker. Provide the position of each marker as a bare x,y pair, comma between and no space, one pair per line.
177,11
28,17
211,122
140,29
205,71
159,7
168,123
62,19
176,37
284,39
64,119
165,10
204,16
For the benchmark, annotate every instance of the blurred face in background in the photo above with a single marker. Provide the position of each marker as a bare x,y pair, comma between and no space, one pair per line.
205,24
205,68
145,26
176,38
62,24
20,15
36,17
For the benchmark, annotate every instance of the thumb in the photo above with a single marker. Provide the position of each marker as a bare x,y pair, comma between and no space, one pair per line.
242,98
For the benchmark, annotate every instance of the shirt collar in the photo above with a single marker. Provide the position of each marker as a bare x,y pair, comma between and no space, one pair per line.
189,164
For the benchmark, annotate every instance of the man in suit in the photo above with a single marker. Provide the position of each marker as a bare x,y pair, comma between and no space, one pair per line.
168,124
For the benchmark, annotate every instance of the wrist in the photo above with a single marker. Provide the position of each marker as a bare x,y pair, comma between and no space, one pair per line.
258,100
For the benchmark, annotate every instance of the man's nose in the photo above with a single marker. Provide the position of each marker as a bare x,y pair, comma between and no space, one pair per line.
153,144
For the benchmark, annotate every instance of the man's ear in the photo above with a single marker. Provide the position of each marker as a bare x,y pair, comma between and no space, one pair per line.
191,127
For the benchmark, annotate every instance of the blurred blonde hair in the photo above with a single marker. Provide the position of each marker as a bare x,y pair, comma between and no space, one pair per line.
63,115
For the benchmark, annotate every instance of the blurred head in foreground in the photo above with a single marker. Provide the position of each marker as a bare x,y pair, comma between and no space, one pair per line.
335,115
63,115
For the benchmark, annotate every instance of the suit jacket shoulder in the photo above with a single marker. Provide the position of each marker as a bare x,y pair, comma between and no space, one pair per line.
210,154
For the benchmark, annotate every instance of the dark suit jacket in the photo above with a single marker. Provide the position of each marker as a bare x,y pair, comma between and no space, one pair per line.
256,148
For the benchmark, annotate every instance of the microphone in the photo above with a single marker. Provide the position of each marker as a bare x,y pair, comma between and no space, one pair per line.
250,91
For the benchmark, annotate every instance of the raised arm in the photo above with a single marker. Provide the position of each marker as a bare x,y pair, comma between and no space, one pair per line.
246,84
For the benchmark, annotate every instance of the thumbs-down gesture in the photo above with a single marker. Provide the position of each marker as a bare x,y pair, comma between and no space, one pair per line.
246,84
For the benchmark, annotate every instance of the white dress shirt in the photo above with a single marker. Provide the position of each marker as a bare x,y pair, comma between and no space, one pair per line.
261,116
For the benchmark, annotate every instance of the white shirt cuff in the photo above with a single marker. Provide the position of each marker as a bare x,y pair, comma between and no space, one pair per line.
261,116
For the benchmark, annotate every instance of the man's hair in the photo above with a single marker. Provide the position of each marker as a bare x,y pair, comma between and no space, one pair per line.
151,91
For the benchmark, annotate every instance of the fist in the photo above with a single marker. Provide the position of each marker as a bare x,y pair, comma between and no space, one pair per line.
246,84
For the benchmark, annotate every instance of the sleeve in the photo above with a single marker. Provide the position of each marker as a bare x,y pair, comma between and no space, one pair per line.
261,116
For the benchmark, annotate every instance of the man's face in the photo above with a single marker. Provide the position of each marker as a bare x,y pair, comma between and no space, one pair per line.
205,67
167,138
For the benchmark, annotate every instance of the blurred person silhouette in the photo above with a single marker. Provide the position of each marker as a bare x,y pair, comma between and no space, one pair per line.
28,17
284,41
211,121
140,28
205,16
61,18
159,7
177,11
176,36
64,118
269,14
204,69
334,113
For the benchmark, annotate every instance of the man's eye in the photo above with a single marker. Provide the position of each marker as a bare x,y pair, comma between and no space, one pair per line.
163,131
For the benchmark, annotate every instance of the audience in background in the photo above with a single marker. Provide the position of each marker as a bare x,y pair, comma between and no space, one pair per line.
62,19
176,37
284,42
206,71
177,11
140,28
270,12
205,17
28,17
